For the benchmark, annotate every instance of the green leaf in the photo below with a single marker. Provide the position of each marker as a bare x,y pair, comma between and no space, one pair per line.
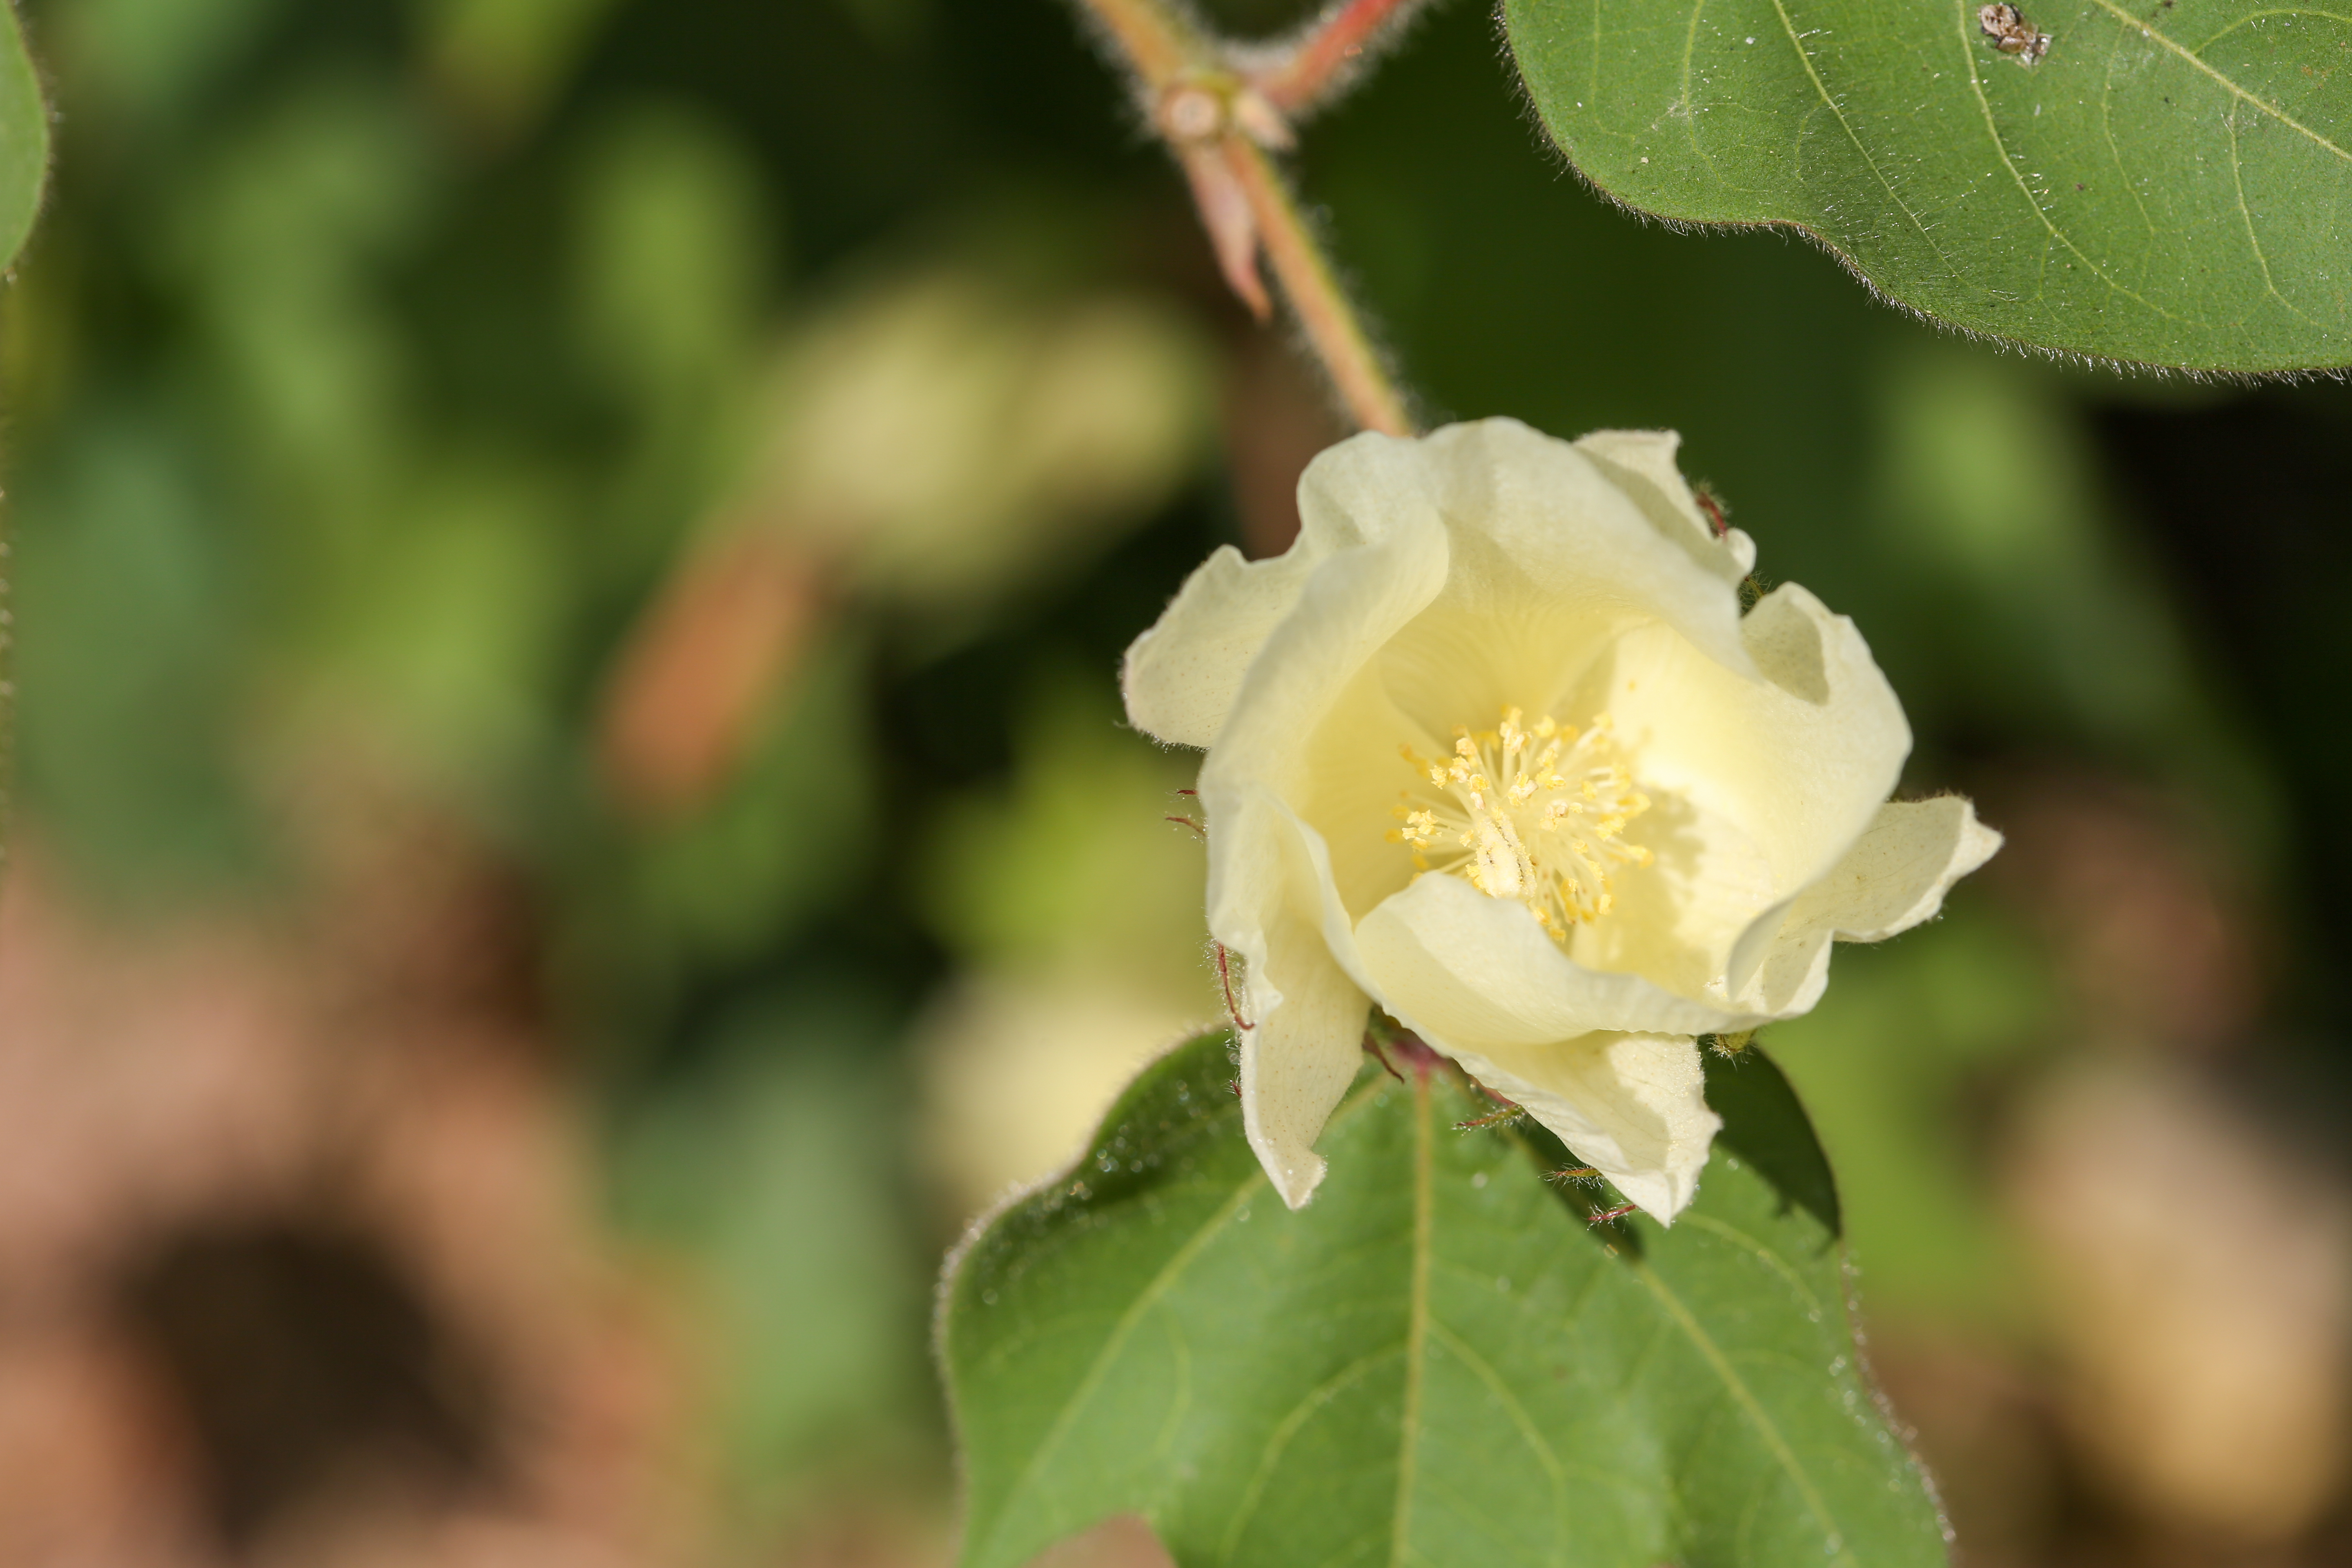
1439,1360
2170,184
24,139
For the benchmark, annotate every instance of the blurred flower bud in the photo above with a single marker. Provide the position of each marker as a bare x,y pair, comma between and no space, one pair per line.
939,440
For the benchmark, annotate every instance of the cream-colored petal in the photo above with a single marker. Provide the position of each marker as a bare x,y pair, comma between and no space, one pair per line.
1299,1060
1356,599
1269,897
1435,582
1356,782
1676,921
1898,876
1544,541
1769,782
1641,464
1631,1106
1798,763
1372,552
1468,972
1179,677
1547,562
1891,879
1182,678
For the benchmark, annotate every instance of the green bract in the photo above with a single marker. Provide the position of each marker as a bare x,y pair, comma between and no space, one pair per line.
1438,1362
2169,182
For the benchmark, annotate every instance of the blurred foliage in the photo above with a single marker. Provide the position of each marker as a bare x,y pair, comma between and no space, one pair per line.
1898,1075
1073,867
380,369
764,1170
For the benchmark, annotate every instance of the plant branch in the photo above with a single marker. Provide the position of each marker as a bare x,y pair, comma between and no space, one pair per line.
1323,59
1324,311
1160,45
1218,124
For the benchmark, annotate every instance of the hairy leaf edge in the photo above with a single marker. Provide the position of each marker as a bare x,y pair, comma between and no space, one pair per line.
2079,359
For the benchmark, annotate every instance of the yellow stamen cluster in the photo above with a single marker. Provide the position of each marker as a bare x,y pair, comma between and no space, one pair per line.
1532,812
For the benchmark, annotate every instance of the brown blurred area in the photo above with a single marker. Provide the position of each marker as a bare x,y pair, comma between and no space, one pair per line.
296,1265
2175,1385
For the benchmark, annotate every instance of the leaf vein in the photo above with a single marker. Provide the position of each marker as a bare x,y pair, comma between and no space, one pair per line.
1278,1440
1748,1405
2253,240
1796,42
1762,1253
1992,128
1690,110
2272,110
1150,1297
2108,129
1529,1433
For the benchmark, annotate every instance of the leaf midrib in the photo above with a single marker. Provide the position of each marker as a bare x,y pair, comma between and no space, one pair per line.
1416,1336
1162,1283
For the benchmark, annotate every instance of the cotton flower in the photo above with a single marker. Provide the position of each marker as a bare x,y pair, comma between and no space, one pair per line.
1494,747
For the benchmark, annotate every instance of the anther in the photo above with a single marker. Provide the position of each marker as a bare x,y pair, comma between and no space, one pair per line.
1508,807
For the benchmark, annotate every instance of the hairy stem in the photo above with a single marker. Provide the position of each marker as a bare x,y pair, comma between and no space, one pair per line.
1321,61
1216,122
1157,42
1329,319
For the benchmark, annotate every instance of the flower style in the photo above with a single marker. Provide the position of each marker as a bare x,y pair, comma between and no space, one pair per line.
1494,747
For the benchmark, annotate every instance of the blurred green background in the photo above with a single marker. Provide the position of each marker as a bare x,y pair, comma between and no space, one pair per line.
572,556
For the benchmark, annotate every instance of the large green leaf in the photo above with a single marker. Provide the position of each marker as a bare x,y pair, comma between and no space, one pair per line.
1438,1362
24,138
2170,184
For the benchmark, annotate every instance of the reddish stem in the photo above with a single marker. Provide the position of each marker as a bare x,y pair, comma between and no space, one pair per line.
1413,1053
1214,123
1324,313
1321,62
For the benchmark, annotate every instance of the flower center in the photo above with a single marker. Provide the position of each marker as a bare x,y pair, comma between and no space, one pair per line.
1534,813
